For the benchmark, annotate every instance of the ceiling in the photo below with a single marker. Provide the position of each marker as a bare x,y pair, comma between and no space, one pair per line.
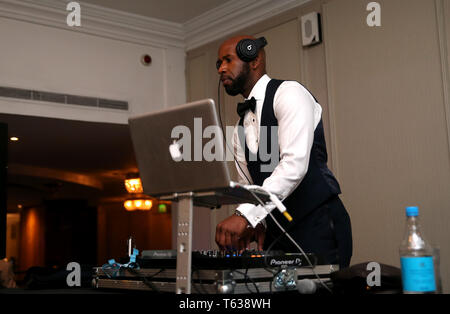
177,11
62,157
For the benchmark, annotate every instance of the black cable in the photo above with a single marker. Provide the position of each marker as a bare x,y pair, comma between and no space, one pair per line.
200,282
246,277
284,232
266,254
269,248
246,282
146,280
224,137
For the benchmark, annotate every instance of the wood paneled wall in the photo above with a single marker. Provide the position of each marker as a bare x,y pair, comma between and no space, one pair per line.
150,229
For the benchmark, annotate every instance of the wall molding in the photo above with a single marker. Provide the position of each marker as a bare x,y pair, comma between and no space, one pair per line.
441,7
113,24
231,17
98,21
331,104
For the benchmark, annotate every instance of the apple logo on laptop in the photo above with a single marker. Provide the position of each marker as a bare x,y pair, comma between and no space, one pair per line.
175,152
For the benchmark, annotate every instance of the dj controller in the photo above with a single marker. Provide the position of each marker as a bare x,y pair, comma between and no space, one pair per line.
214,259
216,272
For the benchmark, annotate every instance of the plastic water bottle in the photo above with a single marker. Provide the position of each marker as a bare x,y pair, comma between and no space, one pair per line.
416,258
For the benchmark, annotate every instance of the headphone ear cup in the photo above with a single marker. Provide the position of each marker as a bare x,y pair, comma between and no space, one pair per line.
247,50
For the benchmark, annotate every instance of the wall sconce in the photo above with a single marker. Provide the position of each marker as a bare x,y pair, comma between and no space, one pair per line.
138,201
134,185
138,204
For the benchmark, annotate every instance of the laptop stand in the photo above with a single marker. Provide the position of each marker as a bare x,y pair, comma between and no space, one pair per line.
186,203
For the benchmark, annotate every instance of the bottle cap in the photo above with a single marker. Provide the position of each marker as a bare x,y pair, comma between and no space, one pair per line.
412,211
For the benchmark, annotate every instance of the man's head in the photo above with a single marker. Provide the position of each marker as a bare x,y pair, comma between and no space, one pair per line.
237,74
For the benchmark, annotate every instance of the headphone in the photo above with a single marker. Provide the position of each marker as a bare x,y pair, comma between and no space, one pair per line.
247,49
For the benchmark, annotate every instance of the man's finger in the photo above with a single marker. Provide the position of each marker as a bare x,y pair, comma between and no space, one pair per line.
246,238
219,236
260,237
228,241
235,239
242,245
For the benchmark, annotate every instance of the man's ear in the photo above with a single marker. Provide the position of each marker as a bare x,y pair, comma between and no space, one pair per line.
255,63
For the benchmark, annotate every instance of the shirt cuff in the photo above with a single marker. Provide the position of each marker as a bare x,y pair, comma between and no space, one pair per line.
254,214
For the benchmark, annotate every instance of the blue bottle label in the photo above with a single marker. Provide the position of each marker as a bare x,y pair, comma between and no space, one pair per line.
418,274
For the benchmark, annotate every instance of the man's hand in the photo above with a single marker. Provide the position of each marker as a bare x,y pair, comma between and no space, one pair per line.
233,234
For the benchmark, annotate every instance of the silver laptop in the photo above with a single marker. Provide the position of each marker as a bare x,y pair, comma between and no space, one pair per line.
182,149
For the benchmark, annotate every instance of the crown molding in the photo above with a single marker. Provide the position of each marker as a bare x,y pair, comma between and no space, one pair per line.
231,17
98,21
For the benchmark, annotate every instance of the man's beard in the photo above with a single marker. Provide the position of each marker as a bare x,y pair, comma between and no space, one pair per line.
237,87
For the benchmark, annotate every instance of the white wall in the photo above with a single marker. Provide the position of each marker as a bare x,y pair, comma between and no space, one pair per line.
388,104
68,61
385,95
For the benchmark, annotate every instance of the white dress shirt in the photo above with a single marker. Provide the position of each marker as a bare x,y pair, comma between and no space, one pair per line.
298,115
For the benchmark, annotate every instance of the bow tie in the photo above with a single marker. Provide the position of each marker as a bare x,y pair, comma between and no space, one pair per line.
249,104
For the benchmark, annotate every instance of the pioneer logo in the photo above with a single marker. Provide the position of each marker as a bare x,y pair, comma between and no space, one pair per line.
160,254
286,262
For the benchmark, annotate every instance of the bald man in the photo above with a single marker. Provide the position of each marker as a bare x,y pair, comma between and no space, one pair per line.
280,119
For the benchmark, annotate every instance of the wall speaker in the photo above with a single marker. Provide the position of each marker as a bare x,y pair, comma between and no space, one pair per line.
311,31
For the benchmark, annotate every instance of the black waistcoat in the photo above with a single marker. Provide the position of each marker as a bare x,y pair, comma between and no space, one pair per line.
318,185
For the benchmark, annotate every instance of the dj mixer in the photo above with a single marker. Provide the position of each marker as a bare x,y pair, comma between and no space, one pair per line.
214,259
216,272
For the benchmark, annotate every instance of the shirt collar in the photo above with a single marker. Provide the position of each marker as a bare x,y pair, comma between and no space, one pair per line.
259,90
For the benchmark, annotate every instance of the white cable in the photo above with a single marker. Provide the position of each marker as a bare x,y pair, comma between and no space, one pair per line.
275,200
301,250
287,234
